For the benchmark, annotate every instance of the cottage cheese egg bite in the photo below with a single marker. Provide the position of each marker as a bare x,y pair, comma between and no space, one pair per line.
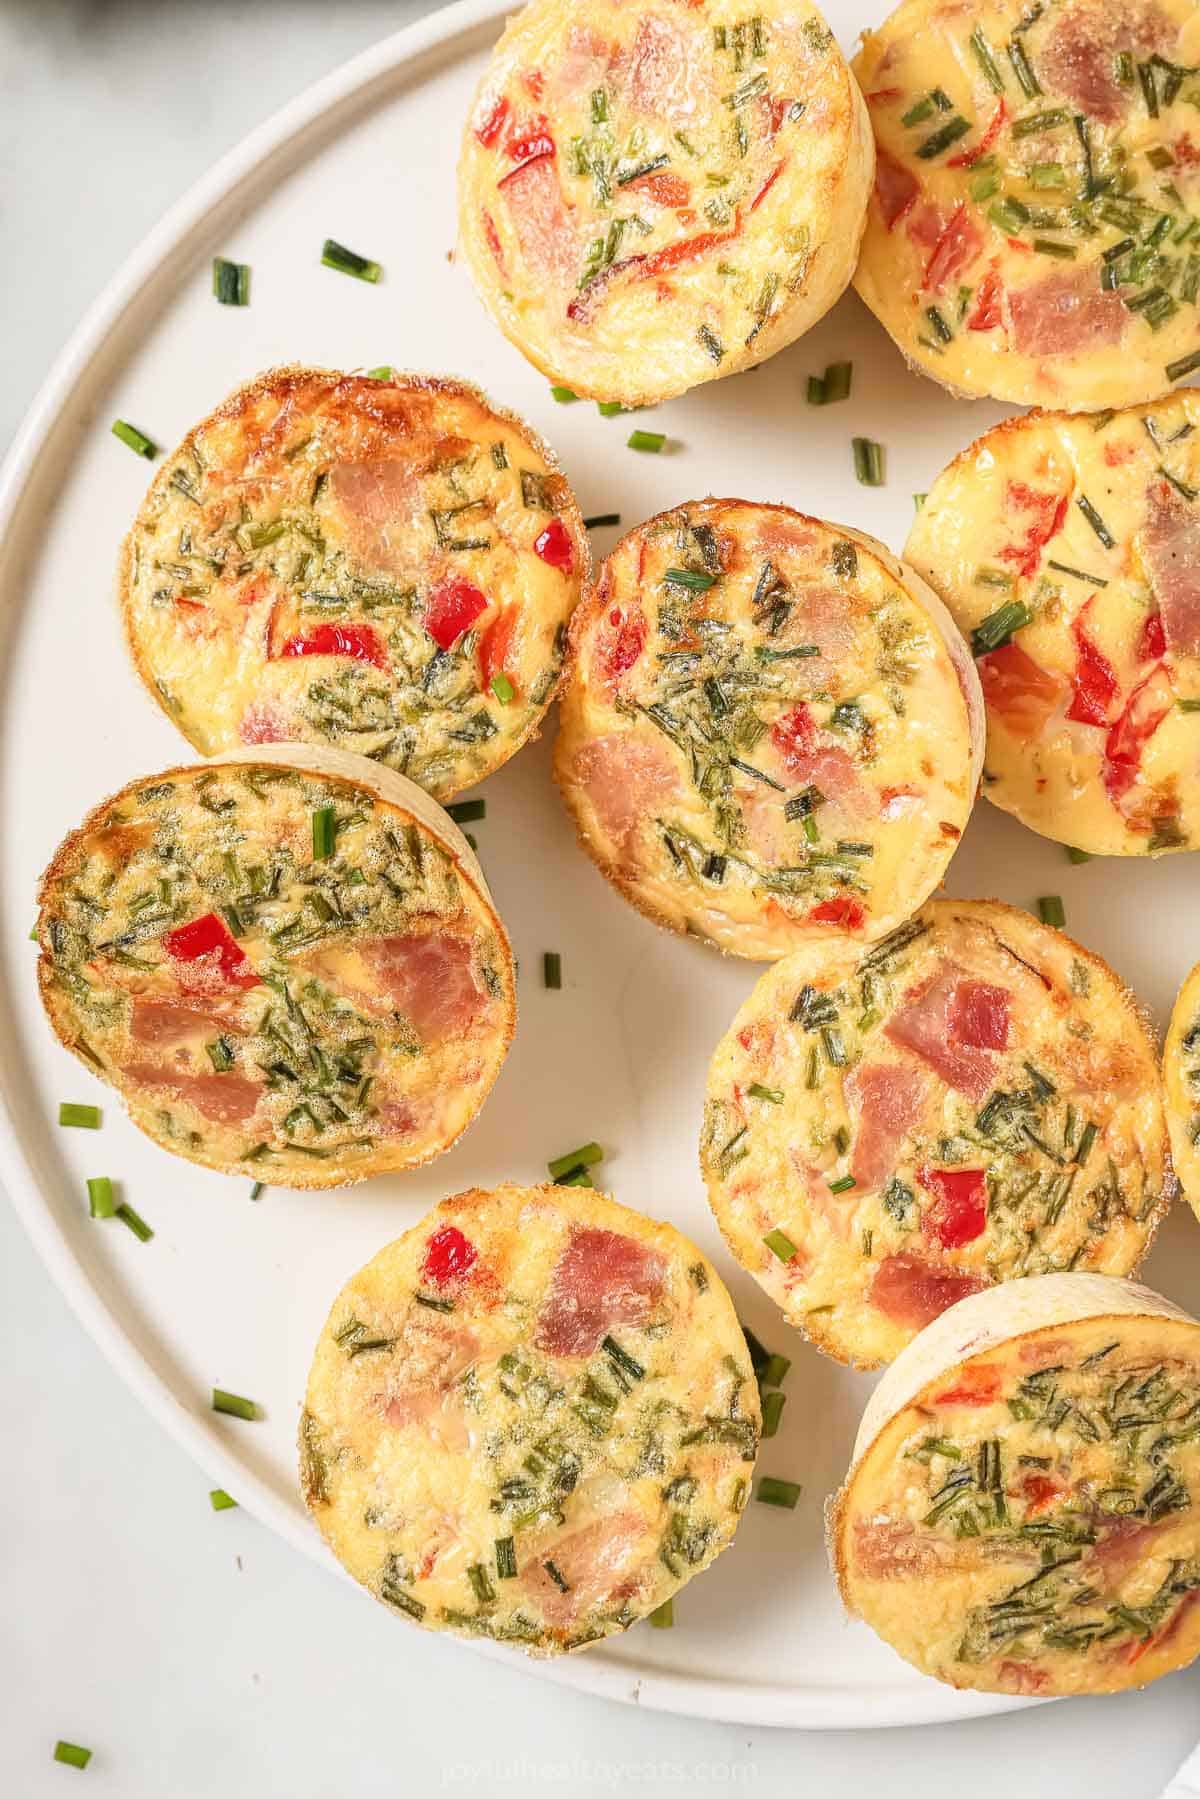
1181,1075
1023,1510
771,730
384,565
1068,550
532,1418
286,962
888,1130
1032,232
654,195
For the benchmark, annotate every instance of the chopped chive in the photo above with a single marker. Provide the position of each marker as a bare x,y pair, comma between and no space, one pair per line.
943,137
1048,174
772,1095
231,282
506,1559
651,441
220,1054
601,518
1185,365
1049,246
993,632
919,500
1039,121
663,1616
773,1371
1021,69
73,1754
839,377
384,372
131,1220
503,689
842,1186
772,1411
868,461
220,1500
348,262
983,184
1096,522
1052,911
233,1405
465,812
608,409
552,970
918,113
1087,1138
101,1203
257,1188
1080,574
987,61
578,1177
778,1492
136,440
1077,856
576,1158
84,1118
780,1245
693,579
814,391
564,395
324,833
938,325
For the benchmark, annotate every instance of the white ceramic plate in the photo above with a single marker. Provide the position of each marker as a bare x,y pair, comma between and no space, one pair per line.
234,1294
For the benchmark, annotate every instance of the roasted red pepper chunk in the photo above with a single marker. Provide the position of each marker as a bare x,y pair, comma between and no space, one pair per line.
360,642
1095,686
554,546
492,123
210,941
1046,514
449,1257
842,911
1039,1492
958,1212
978,1385
794,735
619,643
452,608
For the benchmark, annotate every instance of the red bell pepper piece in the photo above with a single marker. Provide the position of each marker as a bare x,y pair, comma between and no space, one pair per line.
209,940
554,546
958,1213
360,642
452,608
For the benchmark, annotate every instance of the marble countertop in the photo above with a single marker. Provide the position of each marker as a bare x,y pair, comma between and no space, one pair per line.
192,1651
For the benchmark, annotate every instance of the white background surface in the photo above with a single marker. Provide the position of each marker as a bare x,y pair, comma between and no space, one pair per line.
129,1624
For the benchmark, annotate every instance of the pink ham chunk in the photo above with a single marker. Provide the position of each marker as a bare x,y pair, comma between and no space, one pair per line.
378,493
664,81
534,197
600,1565
602,1278
888,1099
1064,313
1172,548
913,1292
221,1098
168,1022
430,979
807,756
626,778
896,188
953,1028
1078,56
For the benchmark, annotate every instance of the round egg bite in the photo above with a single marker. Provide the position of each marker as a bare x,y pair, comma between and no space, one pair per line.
771,730
532,1418
1032,232
1023,1510
651,196
386,565
974,1099
286,961
1181,1078
1067,549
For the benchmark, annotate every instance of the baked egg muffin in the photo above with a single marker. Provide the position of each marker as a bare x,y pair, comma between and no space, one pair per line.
1033,229
771,730
286,962
1181,1078
1023,1510
653,195
532,1418
387,566
973,1099
1068,550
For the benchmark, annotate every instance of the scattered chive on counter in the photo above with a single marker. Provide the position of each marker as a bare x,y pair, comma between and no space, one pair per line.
552,970
348,262
220,1500
384,372
832,386
233,1405
608,409
465,812
663,1616
135,439
602,518
73,1754
257,1189
231,281
778,1492
101,1203
571,1170
83,1118
1074,855
130,1219
651,441
1051,910
565,396
868,461
772,1410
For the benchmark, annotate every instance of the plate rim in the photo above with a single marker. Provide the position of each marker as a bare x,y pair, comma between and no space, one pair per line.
712,1696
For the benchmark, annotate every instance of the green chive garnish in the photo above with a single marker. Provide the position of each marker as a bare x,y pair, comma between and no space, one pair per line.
233,1405
608,409
465,812
1074,855
780,1245
506,1559
695,580
257,1189
137,440
73,1754
663,1616
1079,574
919,500
868,461
987,61
844,1185
384,372
138,1226
503,689
814,391
220,1500
1052,911
1096,522
84,1118
564,395
993,632
324,833
773,1370
772,1411
552,970
601,518
348,262
778,1492
101,1203
1175,371
838,377
651,441
575,1158
772,1095
231,282
943,137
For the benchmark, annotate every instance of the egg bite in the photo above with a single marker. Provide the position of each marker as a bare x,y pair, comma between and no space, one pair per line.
771,730
652,196
1068,550
286,962
1181,1079
532,1418
973,1099
1032,230
1022,1514
383,565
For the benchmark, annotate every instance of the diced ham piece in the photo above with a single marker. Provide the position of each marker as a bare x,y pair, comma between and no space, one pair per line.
913,1292
1078,55
626,779
221,1098
896,188
1145,709
600,1564
957,1213
602,1278
1042,516
819,616
378,493
534,197
1065,312
436,1355
926,1024
1018,691
955,250
1171,542
664,80
807,756
885,1549
429,978
887,1100
169,1021
1096,685
263,724
979,1015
